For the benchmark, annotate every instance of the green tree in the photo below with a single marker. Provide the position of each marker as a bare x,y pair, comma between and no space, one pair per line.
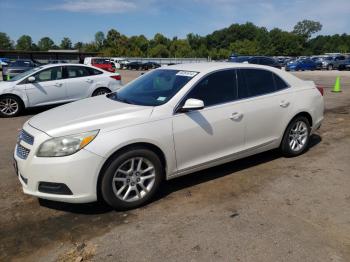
159,51
5,42
307,28
45,43
99,39
24,43
66,43
78,45
180,48
245,47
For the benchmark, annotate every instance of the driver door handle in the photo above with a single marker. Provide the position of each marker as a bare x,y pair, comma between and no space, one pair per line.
58,84
236,116
284,104
89,80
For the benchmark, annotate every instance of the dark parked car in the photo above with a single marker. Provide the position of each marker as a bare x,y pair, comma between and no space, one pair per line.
345,65
301,65
259,60
17,67
150,65
135,65
332,62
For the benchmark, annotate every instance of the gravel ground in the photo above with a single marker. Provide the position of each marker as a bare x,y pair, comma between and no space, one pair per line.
261,208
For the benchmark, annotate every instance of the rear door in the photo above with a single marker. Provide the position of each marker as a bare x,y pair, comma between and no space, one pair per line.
212,133
266,100
48,88
79,82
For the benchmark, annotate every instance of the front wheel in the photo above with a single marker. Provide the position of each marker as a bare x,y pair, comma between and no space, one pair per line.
296,137
101,91
131,178
10,106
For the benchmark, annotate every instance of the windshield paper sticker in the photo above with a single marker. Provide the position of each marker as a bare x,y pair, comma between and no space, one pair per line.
186,73
161,98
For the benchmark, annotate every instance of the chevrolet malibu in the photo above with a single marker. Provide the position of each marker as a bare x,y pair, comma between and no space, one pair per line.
54,84
167,123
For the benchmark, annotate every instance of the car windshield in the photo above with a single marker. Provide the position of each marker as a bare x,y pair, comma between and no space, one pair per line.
153,89
24,74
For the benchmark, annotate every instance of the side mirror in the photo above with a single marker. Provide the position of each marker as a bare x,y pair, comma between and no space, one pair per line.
31,79
192,104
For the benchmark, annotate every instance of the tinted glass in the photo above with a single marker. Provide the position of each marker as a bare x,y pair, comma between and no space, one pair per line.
266,61
254,60
219,87
254,82
53,73
93,71
279,83
21,63
77,71
154,88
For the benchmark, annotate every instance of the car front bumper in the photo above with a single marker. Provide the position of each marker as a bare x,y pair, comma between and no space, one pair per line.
78,172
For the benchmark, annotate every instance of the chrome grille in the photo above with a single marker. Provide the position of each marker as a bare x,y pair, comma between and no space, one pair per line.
22,152
24,136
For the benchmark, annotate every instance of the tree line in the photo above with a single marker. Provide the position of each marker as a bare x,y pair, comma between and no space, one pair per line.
242,39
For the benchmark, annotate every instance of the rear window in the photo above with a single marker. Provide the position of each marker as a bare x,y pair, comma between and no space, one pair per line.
255,82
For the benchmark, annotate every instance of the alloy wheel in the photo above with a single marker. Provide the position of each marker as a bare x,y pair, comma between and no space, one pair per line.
298,136
9,106
133,179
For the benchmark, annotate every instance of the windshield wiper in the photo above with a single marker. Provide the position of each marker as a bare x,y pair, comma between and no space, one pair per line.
115,97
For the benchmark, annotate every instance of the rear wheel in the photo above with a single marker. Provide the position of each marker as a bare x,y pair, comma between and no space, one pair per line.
131,179
101,91
10,106
330,67
296,137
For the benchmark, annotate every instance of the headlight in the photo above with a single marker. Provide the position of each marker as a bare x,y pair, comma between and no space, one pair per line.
65,145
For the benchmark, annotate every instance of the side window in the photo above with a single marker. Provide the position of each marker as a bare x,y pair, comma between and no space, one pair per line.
254,60
266,61
76,71
279,82
219,87
255,82
93,71
53,73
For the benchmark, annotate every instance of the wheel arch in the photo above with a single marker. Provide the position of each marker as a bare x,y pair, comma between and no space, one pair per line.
302,113
16,96
99,87
125,148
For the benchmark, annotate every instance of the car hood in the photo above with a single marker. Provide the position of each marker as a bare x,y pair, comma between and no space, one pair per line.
90,114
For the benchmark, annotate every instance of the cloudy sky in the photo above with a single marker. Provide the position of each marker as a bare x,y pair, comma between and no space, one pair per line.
80,19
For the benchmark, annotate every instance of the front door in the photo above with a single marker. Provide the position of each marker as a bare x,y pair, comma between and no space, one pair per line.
215,132
48,87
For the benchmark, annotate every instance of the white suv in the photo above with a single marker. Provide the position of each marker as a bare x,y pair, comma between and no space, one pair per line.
167,123
54,84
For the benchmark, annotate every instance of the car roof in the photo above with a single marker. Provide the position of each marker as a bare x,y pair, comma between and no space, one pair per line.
212,66
207,67
65,64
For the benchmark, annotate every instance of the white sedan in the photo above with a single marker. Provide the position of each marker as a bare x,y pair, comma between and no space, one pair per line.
54,84
167,123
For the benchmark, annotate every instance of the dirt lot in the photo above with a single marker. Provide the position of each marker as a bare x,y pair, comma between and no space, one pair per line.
262,208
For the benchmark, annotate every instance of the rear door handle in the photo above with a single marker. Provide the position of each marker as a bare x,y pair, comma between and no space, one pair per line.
284,104
58,84
236,116
89,80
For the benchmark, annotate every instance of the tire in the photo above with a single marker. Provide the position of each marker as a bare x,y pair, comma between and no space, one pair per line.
10,106
298,131
122,176
330,67
101,91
